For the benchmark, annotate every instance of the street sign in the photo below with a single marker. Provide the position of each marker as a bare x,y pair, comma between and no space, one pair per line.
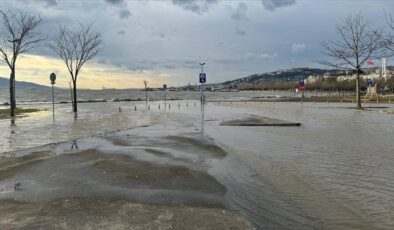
52,77
203,78
369,82
164,86
301,84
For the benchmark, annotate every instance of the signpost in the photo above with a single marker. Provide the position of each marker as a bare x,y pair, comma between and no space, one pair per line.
203,79
52,77
301,87
369,82
301,84
369,90
165,94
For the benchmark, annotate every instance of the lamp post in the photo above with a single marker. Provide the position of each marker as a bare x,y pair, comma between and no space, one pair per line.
52,77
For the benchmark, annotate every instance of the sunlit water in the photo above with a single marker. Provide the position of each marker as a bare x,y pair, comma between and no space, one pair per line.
333,172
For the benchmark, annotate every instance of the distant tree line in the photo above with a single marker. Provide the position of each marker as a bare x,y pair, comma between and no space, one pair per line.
329,84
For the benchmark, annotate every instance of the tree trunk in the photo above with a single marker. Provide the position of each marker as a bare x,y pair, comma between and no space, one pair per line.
75,107
358,97
12,93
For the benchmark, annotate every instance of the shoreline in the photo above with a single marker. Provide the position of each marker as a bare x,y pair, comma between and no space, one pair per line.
387,98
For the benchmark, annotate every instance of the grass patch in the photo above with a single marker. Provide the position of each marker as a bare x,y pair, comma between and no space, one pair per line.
5,113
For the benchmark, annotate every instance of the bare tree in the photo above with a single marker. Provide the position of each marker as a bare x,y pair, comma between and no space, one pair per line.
146,90
75,48
18,35
389,39
357,43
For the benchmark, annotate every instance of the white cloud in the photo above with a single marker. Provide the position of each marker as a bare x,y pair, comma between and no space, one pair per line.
251,55
298,48
268,56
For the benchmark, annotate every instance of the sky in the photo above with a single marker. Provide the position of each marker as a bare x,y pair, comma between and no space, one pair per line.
163,42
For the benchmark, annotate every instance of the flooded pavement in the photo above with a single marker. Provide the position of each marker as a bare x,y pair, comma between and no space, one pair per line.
109,213
333,172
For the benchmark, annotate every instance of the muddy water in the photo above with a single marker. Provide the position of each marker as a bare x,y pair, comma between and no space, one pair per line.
333,172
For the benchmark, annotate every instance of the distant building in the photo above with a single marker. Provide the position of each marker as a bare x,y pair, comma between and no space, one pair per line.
376,74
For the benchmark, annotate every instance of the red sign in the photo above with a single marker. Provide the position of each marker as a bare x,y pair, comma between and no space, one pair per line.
301,85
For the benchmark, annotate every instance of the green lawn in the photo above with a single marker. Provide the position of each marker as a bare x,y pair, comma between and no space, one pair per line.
5,113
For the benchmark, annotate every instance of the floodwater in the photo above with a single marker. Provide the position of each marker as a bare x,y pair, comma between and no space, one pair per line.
333,172
44,96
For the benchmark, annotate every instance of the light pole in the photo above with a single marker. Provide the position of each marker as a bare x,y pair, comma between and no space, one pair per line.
52,77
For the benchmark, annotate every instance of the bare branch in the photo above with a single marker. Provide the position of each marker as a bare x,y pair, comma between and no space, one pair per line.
388,41
19,34
358,42
75,48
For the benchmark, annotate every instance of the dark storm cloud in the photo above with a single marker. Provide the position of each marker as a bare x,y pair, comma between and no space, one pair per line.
273,4
239,13
239,31
121,32
196,6
125,13
50,3
115,2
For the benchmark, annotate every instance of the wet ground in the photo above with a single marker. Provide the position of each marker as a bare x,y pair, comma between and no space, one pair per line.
333,172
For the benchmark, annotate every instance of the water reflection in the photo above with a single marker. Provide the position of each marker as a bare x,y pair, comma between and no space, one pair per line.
202,117
75,144
13,121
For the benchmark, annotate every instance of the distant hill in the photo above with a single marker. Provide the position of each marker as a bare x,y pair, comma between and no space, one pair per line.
281,75
5,84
